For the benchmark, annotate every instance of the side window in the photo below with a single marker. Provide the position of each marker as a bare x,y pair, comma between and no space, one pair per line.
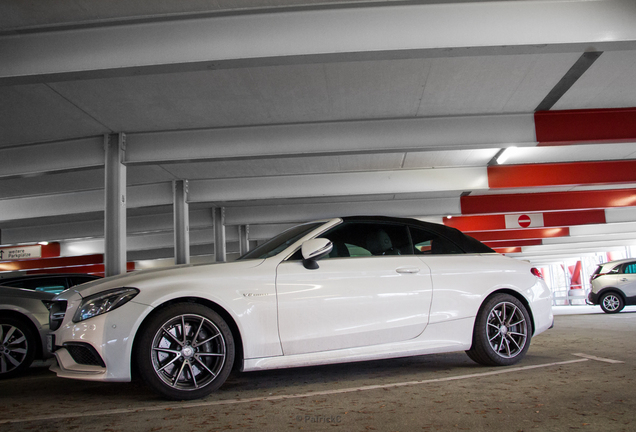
630,268
15,284
54,285
427,243
360,239
78,280
615,270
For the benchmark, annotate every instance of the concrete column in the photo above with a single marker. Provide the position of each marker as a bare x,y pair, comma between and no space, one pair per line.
244,241
219,234
181,222
115,205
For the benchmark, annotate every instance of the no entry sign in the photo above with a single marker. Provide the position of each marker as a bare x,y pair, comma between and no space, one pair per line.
532,220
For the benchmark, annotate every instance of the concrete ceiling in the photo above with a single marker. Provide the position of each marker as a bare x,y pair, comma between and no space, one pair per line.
286,111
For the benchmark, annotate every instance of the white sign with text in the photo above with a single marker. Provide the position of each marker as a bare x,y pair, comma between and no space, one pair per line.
20,252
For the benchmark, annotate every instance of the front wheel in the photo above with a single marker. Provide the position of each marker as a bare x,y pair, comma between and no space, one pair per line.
611,303
502,332
186,351
17,347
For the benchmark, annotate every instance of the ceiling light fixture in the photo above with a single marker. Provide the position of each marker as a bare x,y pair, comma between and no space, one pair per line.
504,154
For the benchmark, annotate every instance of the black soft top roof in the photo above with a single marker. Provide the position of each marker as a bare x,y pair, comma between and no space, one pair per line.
465,242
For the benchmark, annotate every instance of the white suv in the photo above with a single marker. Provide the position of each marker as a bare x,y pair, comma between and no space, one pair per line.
614,285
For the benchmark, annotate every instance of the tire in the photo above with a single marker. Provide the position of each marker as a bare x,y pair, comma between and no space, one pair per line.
190,364
502,332
611,302
17,347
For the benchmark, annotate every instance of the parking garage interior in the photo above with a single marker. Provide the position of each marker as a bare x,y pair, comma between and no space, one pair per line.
136,135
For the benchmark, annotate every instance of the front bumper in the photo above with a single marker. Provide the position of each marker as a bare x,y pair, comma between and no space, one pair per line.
99,348
68,367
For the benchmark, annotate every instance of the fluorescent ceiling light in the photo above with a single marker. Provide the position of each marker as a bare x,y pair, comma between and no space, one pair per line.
503,157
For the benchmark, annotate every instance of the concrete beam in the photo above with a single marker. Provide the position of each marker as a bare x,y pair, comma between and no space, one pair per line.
161,222
318,139
81,202
369,136
51,157
286,37
339,184
431,209
203,238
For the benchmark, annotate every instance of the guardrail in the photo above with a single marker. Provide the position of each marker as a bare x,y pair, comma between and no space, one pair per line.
567,297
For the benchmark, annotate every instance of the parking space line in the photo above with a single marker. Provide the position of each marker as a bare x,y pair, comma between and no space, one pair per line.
591,357
282,397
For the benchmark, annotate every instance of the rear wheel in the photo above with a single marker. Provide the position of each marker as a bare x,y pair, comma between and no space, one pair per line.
186,351
611,303
502,332
17,347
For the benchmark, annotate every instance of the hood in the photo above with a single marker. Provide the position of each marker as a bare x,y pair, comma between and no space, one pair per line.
145,279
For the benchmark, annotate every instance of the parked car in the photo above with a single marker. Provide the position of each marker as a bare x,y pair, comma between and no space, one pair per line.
24,323
332,291
24,317
614,285
55,283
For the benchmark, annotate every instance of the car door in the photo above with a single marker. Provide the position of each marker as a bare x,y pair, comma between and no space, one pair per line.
626,279
371,290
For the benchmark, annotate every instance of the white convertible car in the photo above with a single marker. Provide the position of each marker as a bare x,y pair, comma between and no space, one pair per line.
338,290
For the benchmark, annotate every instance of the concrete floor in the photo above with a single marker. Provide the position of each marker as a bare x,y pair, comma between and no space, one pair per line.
578,376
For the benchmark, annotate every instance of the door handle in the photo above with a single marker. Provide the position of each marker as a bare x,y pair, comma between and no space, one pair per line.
407,270
623,279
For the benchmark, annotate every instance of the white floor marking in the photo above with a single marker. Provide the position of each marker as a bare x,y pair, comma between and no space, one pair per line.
591,357
280,397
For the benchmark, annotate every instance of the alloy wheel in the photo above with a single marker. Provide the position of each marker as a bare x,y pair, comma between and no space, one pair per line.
188,352
611,302
13,348
507,330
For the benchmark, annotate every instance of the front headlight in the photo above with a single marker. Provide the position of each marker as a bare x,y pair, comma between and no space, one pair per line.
103,302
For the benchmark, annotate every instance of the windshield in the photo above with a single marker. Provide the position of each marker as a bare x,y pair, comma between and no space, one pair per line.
281,241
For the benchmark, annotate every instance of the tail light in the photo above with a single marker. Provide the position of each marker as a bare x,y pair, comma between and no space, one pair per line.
535,271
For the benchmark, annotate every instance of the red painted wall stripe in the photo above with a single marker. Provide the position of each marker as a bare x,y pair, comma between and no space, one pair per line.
520,234
550,219
556,174
51,250
513,243
476,223
34,264
548,201
585,126
582,217
96,269
508,250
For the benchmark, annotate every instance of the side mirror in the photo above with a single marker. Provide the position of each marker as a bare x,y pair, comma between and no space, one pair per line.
313,250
